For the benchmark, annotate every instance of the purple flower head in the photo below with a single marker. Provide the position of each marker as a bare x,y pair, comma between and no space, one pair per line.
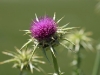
43,28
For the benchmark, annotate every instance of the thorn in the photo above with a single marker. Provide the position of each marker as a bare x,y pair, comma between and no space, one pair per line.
36,18
65,25
59,20
54,16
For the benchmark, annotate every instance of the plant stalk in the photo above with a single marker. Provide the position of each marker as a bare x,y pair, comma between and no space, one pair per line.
77,60
55,63
96,68
22,73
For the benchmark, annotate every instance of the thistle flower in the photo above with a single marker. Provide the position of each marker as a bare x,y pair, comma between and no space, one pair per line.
43,28
81,39
21,60
46,34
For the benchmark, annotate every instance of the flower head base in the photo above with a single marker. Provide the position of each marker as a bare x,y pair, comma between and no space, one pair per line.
43,28
21,60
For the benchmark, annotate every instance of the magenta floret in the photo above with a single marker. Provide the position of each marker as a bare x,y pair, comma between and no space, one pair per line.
43,28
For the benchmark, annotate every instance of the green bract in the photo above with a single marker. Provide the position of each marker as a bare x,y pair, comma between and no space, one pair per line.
80,39
21,60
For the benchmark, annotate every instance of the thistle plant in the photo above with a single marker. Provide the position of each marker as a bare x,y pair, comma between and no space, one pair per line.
46,35
20,58
81,40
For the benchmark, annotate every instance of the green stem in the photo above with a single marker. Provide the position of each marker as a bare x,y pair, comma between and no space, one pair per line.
55,63
77,59
22,73
97,64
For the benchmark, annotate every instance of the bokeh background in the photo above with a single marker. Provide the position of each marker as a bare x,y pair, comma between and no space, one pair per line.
17,15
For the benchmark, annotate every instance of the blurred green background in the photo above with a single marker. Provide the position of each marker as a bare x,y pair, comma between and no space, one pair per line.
17,15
